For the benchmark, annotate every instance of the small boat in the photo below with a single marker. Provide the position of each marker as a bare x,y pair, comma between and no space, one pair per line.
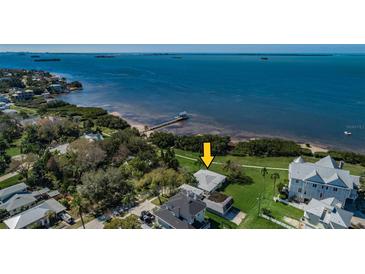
264,58
347,133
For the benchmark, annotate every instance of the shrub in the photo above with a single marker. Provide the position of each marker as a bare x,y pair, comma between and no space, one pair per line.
267,147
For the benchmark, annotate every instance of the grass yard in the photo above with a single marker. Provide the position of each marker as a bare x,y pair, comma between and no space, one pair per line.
157,202
11,181
3,226
218,221
246,196
13,150
280,162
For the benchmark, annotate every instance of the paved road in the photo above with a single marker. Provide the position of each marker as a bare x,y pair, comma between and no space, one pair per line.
219,163
94,224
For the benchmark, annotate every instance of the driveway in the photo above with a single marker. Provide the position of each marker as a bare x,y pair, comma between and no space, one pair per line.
94,224
145,206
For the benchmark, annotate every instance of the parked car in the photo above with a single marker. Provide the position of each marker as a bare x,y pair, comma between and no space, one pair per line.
147,217
67,218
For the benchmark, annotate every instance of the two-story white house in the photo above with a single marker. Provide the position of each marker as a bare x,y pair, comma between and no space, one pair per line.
321,180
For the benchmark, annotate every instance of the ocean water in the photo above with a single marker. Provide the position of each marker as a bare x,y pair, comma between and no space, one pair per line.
305,98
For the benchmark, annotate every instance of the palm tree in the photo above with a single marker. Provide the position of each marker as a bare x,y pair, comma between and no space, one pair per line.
228,165
77,203
275,176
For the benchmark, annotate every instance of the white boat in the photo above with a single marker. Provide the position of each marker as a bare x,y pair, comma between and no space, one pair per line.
348,133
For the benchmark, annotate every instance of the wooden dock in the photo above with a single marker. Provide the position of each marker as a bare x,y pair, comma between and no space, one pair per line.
168,123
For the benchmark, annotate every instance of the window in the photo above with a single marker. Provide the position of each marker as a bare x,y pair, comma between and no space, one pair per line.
335,189
314,185
326,187
322,187
299,190
320,195
305,192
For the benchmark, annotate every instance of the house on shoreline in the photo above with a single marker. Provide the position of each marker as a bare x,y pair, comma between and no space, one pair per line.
321,180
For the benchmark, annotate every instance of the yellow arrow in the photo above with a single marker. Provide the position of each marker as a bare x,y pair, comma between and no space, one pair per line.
207,157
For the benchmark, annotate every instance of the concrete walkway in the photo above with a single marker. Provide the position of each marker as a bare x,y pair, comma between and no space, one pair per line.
247,166
7,176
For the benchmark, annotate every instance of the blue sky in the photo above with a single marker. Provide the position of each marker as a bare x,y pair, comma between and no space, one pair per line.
188,48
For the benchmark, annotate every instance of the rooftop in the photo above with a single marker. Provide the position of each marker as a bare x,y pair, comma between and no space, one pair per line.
209,180
330,212
324,171
34,214
11,190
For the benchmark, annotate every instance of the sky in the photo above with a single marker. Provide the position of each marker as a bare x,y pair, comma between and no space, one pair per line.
188,48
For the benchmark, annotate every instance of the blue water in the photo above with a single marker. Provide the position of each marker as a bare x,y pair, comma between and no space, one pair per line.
306,98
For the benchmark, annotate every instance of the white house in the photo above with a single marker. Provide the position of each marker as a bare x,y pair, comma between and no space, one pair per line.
327,213
321,180
182,211
38,215
93,137
218,203
209,181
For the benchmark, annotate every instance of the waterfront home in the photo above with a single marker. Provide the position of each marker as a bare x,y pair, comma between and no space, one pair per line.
182,211
6,193
56,88
39,215
209,181
326,213
218,203
22,95
93,136
320,180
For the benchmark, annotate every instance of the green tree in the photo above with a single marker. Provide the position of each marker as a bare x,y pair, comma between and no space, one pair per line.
78,204
275,176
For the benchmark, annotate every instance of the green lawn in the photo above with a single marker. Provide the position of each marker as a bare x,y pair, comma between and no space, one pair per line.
281,162
246,196
156,201
11,181
218,221
3,226
13,150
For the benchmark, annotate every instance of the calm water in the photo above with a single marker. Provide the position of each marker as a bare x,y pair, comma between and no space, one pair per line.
307,98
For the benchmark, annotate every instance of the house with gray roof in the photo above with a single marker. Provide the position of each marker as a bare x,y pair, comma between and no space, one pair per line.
38,215
209,181
6,193
321,180
18,203
327,213
182,211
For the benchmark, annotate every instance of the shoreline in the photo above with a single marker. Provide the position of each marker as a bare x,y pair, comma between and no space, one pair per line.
314,147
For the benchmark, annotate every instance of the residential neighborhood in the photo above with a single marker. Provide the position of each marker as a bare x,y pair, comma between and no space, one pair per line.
65,166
